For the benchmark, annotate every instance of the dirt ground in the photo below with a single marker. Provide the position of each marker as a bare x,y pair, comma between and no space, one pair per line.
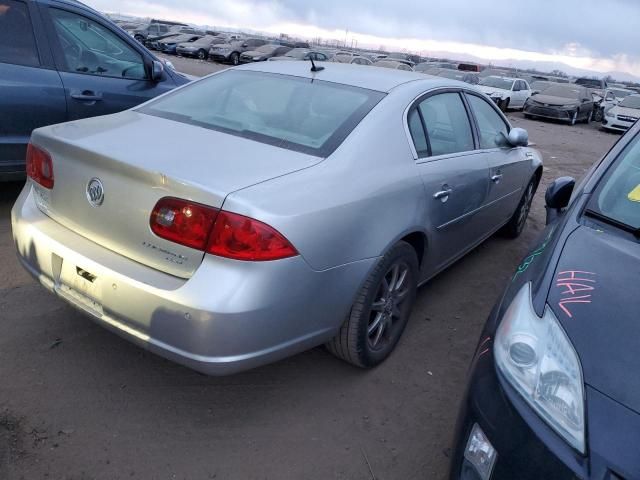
77,402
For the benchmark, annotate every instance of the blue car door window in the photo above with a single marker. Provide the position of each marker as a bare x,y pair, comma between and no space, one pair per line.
17,45
92,49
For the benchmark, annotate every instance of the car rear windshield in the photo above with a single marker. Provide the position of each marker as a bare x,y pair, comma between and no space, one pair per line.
632,101
302,114
618,194
589,82
496,82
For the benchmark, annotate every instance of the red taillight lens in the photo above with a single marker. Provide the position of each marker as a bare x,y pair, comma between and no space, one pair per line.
184,222
39,166
243,238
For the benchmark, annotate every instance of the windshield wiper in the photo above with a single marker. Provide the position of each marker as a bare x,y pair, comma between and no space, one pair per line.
612,221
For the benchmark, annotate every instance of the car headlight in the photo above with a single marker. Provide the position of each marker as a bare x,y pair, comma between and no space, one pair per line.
539,361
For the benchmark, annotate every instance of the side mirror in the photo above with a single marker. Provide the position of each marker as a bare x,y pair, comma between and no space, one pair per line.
157,69
518,137
558,195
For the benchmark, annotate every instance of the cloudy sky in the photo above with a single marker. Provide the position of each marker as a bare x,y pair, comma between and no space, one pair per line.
583,34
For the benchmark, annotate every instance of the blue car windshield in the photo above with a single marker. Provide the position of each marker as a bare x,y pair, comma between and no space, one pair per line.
310,116
618,194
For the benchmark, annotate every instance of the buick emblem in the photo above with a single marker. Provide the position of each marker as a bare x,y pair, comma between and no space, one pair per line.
95,192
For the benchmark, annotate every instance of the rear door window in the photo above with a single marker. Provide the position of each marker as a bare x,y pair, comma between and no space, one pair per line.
491,128
90,48
17,43
447,124
310,116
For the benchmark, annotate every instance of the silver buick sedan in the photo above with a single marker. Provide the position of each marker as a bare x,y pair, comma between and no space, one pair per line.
268,209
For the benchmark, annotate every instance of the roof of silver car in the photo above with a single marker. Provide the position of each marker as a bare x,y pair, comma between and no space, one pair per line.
371,77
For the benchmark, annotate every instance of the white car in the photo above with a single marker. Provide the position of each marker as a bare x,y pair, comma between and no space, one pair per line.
621,117
612,97
507,92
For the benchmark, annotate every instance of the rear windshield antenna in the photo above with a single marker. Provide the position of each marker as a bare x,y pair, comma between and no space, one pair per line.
313,66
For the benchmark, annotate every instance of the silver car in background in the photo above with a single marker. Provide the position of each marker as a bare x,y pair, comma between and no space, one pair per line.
271,208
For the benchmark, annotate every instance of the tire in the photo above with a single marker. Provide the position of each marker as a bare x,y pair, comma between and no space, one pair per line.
139,38
376,321
518,220
598,115
504,105
202,54
235,58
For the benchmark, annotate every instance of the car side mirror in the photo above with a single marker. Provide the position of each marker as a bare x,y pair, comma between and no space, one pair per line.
518,137
557,196
157,69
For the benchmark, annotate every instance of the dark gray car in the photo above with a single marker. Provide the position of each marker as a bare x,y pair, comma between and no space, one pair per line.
230,52
263,53
567,102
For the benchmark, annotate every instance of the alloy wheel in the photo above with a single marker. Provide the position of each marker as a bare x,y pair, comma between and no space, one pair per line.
387,308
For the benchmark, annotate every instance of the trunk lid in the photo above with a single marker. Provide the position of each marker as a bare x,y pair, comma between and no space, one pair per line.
139,159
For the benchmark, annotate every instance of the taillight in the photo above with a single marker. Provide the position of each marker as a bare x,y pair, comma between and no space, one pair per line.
217,232
184,222
39,166
243,238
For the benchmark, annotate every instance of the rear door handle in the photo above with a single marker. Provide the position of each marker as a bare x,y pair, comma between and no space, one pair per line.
443,195
87,96
496,178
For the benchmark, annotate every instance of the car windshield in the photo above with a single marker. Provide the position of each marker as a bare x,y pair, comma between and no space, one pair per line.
496,82
564,91
617,197
540,85
620,93
306,115
632,101
589,82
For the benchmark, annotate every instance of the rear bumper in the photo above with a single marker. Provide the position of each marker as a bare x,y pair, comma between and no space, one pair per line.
229,316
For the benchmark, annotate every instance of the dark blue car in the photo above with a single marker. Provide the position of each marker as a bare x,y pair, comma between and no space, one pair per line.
554,391
61,60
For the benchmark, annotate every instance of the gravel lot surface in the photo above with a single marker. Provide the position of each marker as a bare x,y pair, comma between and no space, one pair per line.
78,402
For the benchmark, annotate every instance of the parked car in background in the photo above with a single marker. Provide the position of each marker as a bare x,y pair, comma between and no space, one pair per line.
217,268
153,29
169,45
408,63
303,54
507,92
230,52
553,390
471,78
612,97
567,102
69,62
449,65
263,53
599,85
623,116
349,57
153,43
387,63
200,48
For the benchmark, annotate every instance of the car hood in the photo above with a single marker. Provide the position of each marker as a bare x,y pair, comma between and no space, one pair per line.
487,89
554,101
629,112
594,296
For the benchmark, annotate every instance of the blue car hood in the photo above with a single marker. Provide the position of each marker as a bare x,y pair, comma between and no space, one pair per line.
595,294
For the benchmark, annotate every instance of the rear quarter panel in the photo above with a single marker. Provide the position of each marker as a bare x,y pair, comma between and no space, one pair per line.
355,204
